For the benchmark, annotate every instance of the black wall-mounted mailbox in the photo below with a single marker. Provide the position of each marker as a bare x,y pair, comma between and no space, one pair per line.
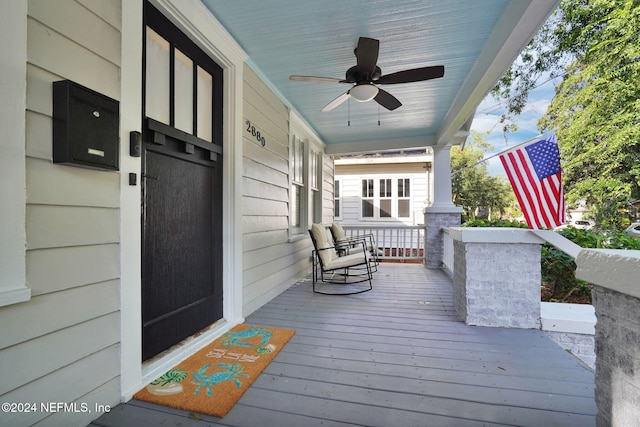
85,127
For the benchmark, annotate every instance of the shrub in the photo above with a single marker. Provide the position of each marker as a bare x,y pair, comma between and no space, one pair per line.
494,223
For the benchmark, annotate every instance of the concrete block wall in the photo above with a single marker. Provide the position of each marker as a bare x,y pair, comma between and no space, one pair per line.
579,345
496,278
617,358
460,300
572,327
616,299
435,221
501,282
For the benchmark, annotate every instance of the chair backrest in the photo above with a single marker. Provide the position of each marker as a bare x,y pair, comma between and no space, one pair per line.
338,232
319,236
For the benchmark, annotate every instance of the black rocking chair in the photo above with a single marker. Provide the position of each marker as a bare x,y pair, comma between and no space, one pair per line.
356,242
348,270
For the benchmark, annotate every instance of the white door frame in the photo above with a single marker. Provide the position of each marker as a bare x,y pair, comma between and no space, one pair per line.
196,21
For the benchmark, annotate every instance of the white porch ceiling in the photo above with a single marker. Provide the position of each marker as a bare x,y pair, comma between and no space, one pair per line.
475,41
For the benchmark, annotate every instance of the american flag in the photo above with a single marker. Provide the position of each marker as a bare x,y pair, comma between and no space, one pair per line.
535,175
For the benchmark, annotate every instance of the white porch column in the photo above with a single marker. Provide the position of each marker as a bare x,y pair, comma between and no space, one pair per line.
442,213
442,179
13,92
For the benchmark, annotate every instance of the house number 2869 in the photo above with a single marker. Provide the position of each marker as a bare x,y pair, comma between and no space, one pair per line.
255,133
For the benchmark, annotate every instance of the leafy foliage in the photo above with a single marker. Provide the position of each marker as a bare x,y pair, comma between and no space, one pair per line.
594,47
558,274
494,223
473,188
558,268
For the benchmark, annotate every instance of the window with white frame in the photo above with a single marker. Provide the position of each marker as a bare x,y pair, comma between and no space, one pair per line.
337,201
315,178
297,185
404,198
367,198
384,198
306,186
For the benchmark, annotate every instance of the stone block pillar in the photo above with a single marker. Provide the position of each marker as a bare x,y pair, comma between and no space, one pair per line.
435,219
616,299
442,213
496,277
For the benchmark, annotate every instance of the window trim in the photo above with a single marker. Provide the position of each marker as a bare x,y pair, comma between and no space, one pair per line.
297,149
311,200
388,182
316,160
408,198
394,198
337,183
367,197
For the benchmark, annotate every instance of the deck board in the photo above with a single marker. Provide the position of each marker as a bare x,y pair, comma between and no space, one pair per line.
398,355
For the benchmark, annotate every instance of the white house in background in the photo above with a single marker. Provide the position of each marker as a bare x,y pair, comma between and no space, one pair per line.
383,189
579,212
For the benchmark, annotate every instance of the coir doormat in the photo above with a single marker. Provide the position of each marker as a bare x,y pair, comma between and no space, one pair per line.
213,379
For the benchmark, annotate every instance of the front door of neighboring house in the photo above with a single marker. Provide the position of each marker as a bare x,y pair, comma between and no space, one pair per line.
181,187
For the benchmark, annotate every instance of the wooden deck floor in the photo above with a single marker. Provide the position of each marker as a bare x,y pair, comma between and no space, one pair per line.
396,356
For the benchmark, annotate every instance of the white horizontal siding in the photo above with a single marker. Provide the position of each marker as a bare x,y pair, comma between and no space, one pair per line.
263,239
71,60
97,35
327,190
48,313
50,226
48,270
71,326
89,373
33,366
269,259
263,190
51,184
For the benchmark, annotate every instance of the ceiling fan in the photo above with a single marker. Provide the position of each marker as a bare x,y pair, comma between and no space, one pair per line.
366,75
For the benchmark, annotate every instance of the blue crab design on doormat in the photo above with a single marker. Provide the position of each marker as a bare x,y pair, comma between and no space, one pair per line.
208,381
236,337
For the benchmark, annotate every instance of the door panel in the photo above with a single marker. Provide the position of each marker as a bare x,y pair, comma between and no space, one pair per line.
182,190
180,296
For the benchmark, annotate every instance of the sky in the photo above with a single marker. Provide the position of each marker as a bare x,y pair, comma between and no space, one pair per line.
487,118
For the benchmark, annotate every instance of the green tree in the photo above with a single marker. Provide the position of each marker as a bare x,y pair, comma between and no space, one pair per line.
473,188
594,47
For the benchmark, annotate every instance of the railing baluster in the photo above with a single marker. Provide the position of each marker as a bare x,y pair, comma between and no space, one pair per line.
395,242
404,244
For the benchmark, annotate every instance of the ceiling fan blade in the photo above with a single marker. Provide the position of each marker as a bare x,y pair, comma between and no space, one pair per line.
367,55
315,79
387,100
333,104
414,75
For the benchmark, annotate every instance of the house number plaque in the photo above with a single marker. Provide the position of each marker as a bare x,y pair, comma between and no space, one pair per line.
255,133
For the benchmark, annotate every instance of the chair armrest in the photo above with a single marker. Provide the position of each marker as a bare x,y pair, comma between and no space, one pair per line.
346,246
351,240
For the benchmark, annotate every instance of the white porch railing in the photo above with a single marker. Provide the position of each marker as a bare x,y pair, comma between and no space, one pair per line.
398,243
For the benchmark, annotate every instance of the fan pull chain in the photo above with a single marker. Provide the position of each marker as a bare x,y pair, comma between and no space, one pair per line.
349,112
378,114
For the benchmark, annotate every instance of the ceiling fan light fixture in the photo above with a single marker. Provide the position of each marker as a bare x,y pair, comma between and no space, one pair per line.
366,72
363,92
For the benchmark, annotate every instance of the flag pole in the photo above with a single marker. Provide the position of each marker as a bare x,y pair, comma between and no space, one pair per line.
498,153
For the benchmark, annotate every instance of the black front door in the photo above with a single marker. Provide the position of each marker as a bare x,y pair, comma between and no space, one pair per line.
181,187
